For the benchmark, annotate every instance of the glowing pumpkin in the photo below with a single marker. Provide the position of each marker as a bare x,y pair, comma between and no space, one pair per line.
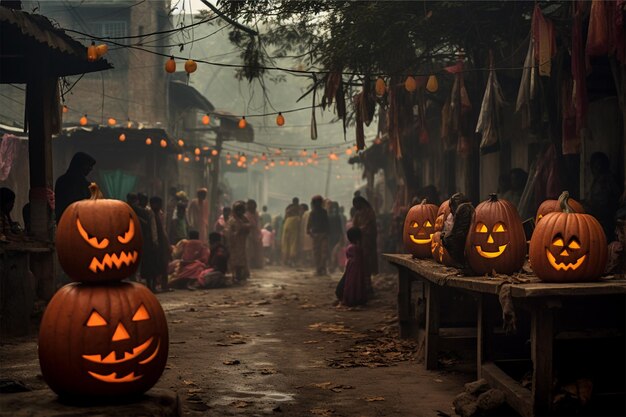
99,239
440,254
550,206
496,240
419,227
568,246
103,340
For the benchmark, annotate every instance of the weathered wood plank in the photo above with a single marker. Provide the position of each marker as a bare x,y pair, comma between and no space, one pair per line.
542,343
432,325
516,396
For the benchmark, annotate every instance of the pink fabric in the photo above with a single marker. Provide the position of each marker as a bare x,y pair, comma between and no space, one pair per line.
355,288
267,238
8,154
192,264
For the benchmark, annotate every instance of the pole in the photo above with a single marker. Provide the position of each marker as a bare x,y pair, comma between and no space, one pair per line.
214,197
327,190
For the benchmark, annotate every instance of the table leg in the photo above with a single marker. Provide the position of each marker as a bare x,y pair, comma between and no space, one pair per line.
542,340
432,325
406,314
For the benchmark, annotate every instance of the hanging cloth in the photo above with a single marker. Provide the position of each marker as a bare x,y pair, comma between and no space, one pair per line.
359,107
579,74
570,135
598,32
488,124
545,41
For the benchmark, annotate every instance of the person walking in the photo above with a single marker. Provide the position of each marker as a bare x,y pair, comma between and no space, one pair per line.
291,230
365,219
163,250
317,228
73,185
238,230
198,214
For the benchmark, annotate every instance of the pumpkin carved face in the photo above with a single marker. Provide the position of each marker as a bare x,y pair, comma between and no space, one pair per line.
496,240
99,240
419,227
550,206
104,340
568,246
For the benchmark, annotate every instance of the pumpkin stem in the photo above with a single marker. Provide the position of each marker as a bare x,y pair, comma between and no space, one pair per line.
493,197
424,201
95,191
564,204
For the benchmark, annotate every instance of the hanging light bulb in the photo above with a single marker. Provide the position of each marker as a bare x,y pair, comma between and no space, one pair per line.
197,158
112,121
214,152
243,158
101,50
186,159
349,151
432,85
205,148
196,151
279,151
129,124
280,119
148,141
190,66
206,119
170,65
228,162
303,152
267,167
272,163
380,87
282,162
65,109
239,163
410,84
309,160
122,137
242,122
92,53
83,120
181,142
180,156
163,143
263,156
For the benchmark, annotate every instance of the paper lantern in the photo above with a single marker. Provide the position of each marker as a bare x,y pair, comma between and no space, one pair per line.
432,85
206,119
148,141
410,84
190,66
163,143
242,122
83,120
280,119
112,121
170,65
380,87
92,52
101,50
122,137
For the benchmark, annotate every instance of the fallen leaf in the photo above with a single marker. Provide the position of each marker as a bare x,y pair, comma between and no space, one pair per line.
310,342
322,411
372,399
233,362
240,404
187,382
322,385
256,314
194,390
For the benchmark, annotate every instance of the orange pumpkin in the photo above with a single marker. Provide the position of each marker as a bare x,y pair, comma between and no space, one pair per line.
419,227
496,240
567,246
550,206
98,239
103,340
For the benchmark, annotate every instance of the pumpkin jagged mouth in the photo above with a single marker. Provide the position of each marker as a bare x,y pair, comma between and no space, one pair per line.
486,254
564,266
421,241
108,261
112,377
110,358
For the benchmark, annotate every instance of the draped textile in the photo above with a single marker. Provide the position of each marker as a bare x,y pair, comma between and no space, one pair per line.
355,281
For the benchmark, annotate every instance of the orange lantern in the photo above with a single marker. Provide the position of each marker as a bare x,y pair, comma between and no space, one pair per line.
65,109
380,86
112,121
101,50
196,151
181,142
206,119
186,159
180,156
170,65
83,120
92,53
410,84
190,66
280,119
214,152
163,143
148,141
432,85
242,122
122,137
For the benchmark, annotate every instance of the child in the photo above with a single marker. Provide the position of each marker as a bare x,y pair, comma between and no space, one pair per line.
267,238
352,289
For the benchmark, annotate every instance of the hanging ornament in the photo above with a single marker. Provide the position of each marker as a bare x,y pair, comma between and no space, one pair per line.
180,156
92,53
196,151
242,122
205,148
122,137
186,159
432,85
380,87
148,141
101,50
263,156
170,65
214,152
228,162
197,158
349,151
112,121
65,109
83,120
190,66
282,162
181,143
280,119
206,119
163,143
410,84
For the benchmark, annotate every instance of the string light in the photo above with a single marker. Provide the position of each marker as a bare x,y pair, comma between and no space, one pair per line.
179,156
205,148
186,159
280,119
214,152
112,121
190,66
163,143
206,119
129,124
170,65
65,109
197,158
242,122
196,151
181,143
148,141
122,137
83,120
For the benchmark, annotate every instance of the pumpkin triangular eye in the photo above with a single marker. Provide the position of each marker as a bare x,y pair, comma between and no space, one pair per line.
481,228
574,244
558,242
141,314
499,228
95,319
414,224
428,224
126,237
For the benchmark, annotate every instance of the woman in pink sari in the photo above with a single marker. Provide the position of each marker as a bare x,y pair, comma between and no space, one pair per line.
192,258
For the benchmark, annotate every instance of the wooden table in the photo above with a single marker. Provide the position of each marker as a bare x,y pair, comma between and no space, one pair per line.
540,299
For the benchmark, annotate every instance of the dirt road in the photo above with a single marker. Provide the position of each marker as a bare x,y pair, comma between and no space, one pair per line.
278,346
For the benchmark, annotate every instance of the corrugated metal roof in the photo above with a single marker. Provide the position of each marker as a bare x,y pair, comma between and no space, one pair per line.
23,33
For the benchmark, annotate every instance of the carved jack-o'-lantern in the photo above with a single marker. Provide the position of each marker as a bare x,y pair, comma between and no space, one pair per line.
419,227
103,340
440,254
496,240
99,239
550,206
568,246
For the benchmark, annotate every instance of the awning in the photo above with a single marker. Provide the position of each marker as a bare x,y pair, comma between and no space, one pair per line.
184,96
26,39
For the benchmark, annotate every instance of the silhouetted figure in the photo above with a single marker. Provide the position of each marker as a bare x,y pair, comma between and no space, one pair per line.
73,185
317,227
291,231
8,228
265,216
353,288
255,245
335,234
238,230
198,214
162,252
365,219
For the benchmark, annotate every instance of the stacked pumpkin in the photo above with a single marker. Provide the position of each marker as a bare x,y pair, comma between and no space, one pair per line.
99,336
